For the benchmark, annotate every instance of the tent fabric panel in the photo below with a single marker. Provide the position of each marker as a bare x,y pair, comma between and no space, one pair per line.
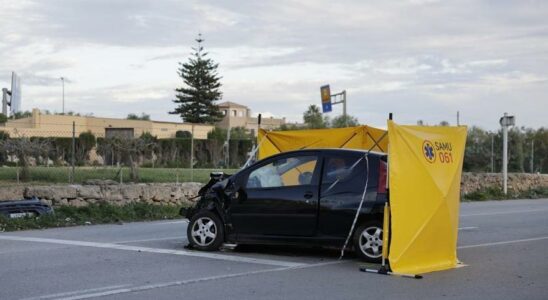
425,165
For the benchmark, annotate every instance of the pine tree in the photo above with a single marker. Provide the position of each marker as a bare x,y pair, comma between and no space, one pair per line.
196,99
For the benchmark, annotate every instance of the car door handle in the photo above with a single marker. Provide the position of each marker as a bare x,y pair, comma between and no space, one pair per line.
308,195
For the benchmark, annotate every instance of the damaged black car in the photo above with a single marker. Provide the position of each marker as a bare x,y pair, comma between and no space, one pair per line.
304,197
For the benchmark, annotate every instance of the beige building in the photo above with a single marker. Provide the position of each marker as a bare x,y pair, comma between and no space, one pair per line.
237,115
42,125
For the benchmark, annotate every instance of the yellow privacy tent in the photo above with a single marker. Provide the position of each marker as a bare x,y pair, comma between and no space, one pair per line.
425,165
360,137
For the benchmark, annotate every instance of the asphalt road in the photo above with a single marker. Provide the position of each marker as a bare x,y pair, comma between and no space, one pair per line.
504,246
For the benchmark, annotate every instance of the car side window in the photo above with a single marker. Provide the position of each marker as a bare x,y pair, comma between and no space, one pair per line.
338,168
291,171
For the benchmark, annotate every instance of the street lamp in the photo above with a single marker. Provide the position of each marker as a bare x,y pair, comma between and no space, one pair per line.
63,82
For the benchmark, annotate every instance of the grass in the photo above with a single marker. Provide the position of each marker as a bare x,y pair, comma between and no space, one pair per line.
493,193
93,214
42,175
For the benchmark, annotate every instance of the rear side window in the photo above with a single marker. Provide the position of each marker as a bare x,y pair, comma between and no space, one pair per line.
347,174
291,171
340,168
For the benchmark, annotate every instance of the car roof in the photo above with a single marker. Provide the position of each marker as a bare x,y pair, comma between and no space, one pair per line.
333,151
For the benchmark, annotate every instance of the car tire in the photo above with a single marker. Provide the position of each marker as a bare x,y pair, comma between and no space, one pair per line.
368,241
205,231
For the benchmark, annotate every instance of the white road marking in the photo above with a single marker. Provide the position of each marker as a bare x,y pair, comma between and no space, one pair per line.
504,212
181,237
71,293
155,250
194,280
504,242
170,222
468,228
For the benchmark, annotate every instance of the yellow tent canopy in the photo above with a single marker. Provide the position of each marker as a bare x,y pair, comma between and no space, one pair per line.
425,165
360,137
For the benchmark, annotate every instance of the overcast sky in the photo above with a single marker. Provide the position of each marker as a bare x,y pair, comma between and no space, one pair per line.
420,59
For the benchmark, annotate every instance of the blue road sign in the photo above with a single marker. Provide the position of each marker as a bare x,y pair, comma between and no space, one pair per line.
326,107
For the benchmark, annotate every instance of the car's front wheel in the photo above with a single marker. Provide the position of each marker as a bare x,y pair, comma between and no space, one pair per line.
368,241
205,231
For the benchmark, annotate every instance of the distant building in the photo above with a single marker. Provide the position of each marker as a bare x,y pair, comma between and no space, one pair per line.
237,115
44,125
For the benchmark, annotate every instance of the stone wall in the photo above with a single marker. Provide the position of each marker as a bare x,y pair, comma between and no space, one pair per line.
517,182
117,194
178,194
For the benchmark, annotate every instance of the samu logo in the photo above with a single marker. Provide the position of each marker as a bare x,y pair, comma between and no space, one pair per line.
428,151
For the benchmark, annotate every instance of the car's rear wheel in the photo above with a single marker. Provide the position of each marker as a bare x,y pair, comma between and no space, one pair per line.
205,231
368,241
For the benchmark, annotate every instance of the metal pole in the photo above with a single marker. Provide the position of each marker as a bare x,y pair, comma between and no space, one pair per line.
192,155
63,82
458,118
73,149
227,160
5,101
493,153
344,109
505,156
532,156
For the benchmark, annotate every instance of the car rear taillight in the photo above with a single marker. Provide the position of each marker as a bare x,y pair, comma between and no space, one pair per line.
381,188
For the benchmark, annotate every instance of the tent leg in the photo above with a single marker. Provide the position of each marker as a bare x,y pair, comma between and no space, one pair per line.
384,271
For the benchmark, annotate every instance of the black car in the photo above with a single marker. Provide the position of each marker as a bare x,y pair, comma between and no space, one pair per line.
304,197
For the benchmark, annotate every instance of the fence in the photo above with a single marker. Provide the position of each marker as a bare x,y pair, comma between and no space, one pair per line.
75,157
71,155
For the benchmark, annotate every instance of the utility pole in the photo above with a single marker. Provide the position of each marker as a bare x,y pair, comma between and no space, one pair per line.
532,156
493,153
227,148
192,154
344,108
72,160
506,121
63,83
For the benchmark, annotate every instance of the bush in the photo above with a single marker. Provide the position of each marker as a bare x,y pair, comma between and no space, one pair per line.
490,193
183,134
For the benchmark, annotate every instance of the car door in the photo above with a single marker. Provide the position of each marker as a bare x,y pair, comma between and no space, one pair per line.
280,198
342,186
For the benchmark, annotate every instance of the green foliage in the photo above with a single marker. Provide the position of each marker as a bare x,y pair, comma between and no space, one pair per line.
85,142
142,117
196,99
490,193
341,121
240,133
22,114
3,118
479,142
286,127
183,134
444,123
313,118
46,175
218,134
102,213
4,135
